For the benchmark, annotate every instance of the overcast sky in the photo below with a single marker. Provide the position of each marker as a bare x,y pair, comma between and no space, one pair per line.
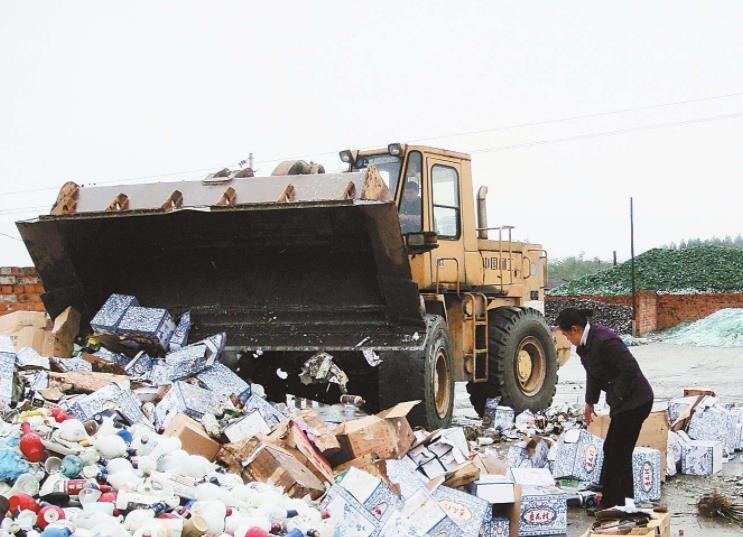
108,92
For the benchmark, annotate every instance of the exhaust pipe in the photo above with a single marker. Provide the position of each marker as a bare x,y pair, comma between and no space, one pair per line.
482,213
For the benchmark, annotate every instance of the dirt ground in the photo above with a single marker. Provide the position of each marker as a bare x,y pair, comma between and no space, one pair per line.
669,368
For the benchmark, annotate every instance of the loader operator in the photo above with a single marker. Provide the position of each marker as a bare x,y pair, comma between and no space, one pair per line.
610,367
410,208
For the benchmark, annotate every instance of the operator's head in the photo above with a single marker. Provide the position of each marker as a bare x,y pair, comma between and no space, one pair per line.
411,192
572,322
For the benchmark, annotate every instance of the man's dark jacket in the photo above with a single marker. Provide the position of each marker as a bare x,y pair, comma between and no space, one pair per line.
611,367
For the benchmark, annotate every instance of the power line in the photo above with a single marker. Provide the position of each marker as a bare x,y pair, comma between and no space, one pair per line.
415,139
10,236
610,133
580,116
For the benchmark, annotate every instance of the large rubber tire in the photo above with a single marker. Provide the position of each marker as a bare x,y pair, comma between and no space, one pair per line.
513,331
426,375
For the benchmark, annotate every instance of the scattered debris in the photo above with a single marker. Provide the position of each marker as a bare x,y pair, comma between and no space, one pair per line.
718,505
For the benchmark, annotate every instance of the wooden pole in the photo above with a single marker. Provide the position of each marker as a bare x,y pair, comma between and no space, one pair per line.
632,254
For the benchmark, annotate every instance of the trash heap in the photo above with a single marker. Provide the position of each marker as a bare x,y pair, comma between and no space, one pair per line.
140,432
699,269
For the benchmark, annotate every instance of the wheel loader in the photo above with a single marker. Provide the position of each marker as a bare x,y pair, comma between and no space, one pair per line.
389,272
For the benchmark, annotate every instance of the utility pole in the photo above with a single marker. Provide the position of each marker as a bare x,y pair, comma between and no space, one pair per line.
632,254
615,258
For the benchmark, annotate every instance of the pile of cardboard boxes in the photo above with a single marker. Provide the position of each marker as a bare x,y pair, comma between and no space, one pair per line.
375,475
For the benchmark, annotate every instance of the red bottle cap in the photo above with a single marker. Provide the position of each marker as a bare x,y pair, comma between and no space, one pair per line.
21,501
49,514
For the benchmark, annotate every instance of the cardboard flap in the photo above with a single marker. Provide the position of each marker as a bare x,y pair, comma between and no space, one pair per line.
400,410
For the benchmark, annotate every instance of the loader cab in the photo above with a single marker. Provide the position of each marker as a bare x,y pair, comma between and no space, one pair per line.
433,191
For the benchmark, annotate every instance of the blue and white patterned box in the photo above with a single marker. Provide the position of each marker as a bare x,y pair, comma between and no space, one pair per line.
110,397
469,512
646,474
180,336
713,423
140,366
518,455
700,457
270,413
150,325
497,416
579,455
221,379
678,406
106,320
404,473
544,511
7,376
187,398
371,492
496,527
188,362
72,364
348,515
420,516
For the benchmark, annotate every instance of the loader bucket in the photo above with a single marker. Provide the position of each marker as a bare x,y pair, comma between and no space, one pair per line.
300,263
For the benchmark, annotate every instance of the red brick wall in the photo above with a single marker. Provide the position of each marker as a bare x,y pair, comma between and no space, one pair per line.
658,312
20,289
675,309
646,318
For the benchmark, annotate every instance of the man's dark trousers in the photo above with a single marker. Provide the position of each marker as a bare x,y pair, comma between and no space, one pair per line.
616,474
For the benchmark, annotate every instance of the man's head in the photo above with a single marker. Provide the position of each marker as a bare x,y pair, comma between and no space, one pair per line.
411,192
572,322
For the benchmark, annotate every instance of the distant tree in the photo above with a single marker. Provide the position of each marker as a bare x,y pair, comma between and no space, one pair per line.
572,267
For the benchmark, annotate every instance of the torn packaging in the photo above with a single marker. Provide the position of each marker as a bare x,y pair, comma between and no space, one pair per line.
180,336
713,423
352,519
186,398
386,435
113,396
192,435
646,474
580,455
497,416
420,515
250,425
467,511
322,437
372,493
33,329
272,464
290,437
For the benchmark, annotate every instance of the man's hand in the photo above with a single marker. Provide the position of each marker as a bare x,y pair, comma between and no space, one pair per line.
588,413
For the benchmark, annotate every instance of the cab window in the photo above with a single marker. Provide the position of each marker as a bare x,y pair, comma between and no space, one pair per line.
445,184
411,205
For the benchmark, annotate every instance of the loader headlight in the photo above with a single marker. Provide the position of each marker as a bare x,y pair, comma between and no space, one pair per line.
346,156
395,150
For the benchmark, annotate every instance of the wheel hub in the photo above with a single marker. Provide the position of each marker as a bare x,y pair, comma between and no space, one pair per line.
441,384
524,365
531,365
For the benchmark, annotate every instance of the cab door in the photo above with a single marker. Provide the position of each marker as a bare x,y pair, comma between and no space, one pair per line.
444,216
